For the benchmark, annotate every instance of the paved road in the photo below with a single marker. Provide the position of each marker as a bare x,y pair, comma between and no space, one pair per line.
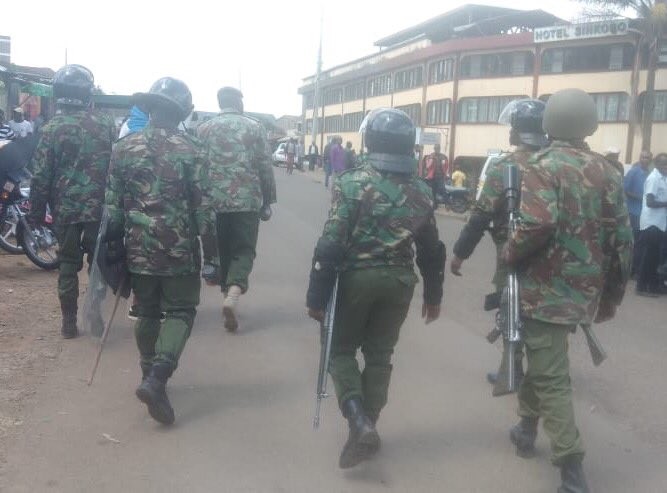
244,402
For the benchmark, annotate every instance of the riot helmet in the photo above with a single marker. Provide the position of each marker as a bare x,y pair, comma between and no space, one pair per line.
570,114
73,86
168,92
525,118
390,135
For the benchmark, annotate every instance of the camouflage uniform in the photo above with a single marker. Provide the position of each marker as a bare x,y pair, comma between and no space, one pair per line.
572,248
69,169
242,181
157,194
376,218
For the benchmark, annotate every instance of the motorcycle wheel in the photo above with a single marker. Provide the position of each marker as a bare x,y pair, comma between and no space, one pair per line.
459,205
9,242
43,252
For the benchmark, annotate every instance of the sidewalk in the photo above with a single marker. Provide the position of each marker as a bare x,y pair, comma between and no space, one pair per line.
318,177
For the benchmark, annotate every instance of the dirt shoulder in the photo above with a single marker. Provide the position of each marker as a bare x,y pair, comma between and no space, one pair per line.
29,338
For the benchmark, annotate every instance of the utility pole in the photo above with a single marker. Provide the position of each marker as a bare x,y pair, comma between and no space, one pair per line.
316,95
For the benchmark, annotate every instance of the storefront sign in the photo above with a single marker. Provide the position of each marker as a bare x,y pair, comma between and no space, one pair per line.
581,31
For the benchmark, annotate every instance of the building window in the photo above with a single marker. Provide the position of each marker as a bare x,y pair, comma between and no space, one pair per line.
483,110
441,71
497,65
612,107
660,109
352,121
379,86
309,125
438,112
333,95
408,79
333,124
308,100
354,91
594,58
414,111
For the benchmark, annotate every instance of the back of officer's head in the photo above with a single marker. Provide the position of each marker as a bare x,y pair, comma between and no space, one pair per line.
230,97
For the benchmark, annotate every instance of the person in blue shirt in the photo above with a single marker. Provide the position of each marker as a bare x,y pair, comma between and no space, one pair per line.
633,184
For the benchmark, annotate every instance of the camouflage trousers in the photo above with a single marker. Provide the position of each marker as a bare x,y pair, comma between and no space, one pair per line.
372,306
546,391
177,297
75,241
237,239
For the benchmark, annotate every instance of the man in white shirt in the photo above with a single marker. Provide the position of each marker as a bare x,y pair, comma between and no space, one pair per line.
19,125
653,224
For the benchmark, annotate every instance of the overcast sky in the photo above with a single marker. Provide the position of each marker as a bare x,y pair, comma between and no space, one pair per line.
266,47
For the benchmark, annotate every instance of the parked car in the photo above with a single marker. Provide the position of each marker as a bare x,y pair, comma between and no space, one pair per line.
279,156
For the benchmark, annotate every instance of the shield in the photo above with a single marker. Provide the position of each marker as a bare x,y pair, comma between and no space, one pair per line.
102,279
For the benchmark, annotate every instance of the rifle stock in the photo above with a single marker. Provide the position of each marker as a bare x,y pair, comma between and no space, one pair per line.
598,354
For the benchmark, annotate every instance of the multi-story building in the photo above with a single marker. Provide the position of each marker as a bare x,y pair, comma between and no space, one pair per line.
453,75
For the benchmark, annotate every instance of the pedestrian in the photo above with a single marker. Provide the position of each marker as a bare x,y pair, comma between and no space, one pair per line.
525,119
459,178
243,190
434,168
337,157
377,214
573,248
69,168
653,224
350,156
633,185
157,198
312,156
6,133
19,125
290,154
326,155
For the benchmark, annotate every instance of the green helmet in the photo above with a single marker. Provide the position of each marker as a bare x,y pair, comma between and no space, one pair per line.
571,114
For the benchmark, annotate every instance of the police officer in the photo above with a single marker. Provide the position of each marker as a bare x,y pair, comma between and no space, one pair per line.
525,119
572,247
243,190
70,168
157,201
378,212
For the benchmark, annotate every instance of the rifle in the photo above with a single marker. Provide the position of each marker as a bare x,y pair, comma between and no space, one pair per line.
512,317
598,354
326,334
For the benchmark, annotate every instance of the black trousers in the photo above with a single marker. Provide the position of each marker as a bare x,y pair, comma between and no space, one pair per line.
651,246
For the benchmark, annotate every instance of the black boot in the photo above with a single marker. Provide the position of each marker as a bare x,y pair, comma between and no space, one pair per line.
363,440
523,435
153,393
145,369
572,477
69,329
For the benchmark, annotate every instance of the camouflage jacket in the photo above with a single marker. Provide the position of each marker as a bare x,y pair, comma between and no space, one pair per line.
377,217
240,167
489,209
573,243
158,194
70,166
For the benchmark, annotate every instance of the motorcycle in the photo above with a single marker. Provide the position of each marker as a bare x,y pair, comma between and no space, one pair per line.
456,199
39,243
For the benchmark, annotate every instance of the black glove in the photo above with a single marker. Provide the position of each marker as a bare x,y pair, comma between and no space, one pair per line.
265,212
112,246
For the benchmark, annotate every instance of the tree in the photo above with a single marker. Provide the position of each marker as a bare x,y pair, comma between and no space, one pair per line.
650,25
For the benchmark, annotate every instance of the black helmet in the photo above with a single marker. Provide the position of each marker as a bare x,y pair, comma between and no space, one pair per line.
388,131
167,91
525,117
73,85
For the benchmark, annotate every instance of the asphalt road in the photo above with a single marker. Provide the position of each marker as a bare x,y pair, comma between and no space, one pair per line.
244,402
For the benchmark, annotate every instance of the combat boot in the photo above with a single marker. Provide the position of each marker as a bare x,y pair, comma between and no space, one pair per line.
153,393
145,370
69,329
363,440
229,308
572,477
523,436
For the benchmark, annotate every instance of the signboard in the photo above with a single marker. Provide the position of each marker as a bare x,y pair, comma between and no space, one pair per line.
429,138
574,32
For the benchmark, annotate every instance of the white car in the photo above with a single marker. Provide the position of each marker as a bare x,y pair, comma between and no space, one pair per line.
279,156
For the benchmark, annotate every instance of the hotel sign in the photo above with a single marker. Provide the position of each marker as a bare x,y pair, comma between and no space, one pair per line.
581,31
